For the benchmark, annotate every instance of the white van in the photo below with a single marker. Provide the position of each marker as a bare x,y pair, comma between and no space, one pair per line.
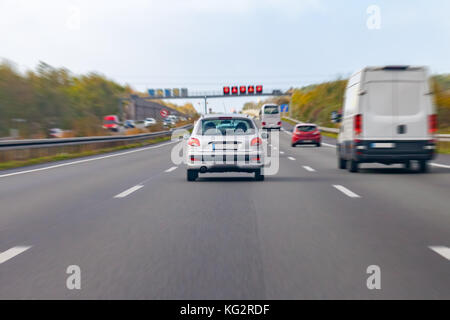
270,117
388,117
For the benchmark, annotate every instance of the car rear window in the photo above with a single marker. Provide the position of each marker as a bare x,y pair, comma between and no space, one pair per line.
306,128
271,110
226,126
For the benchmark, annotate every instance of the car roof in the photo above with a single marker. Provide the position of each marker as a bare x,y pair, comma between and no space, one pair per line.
232,115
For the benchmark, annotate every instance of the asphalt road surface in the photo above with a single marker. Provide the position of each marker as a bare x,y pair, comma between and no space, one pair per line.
138,230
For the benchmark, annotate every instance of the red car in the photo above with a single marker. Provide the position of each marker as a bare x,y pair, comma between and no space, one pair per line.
306,133
111,123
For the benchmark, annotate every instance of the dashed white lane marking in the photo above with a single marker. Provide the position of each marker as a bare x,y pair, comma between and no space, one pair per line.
291,158
85,160
309,168
441,250
11,253
440,165
345,191
328,145
281,152
128,191
171,169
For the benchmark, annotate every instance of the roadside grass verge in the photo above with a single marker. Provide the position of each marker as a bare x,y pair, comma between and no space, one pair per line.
443,147
67,156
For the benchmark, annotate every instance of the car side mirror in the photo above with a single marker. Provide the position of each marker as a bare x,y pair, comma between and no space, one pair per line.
362,92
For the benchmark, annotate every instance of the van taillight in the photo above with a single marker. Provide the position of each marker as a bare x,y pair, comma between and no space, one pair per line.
358,124
432,123
279,123
263,123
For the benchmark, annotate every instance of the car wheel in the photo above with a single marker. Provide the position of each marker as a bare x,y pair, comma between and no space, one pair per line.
293,145
354,166
342,163
318,144
192,175
258,175
423,166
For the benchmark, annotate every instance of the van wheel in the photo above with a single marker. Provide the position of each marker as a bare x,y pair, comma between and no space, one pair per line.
259,176
354,166
192,175
407,165
342,163
423,166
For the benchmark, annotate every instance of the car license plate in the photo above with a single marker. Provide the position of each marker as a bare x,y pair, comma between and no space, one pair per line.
382,145
224,146
307,140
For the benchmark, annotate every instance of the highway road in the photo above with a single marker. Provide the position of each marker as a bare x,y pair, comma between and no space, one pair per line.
138,230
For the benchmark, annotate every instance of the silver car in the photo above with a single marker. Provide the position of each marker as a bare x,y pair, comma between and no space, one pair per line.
225,143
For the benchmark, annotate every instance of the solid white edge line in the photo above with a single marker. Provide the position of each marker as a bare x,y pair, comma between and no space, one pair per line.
11,253
440,165
291,158
309,168
441,250
346,191
85,160
128,191
170,169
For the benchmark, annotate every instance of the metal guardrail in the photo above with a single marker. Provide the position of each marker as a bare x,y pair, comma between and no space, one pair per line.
440,137
41,143
332,130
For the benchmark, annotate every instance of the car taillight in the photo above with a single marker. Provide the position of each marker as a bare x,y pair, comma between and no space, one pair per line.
358,124
256,142
256,159
432,123
194,142
279,123
263,123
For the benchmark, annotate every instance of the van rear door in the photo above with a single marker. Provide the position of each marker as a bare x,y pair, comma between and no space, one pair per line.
378,109
412,104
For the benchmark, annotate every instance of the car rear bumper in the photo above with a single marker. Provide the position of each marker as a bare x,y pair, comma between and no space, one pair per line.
306,140
271,126
225,163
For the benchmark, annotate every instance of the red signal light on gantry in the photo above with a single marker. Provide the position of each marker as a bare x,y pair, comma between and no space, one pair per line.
226,90
234,90
242,89
259,89
251,89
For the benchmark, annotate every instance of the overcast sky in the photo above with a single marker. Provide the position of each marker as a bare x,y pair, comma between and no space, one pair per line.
204,44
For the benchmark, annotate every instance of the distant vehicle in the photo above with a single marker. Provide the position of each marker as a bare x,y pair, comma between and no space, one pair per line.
216,138
306,133
149,122
111,122
129,124
55,133
388,117
270,117
172,118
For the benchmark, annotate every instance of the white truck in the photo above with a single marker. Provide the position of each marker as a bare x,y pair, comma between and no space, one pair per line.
388,117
